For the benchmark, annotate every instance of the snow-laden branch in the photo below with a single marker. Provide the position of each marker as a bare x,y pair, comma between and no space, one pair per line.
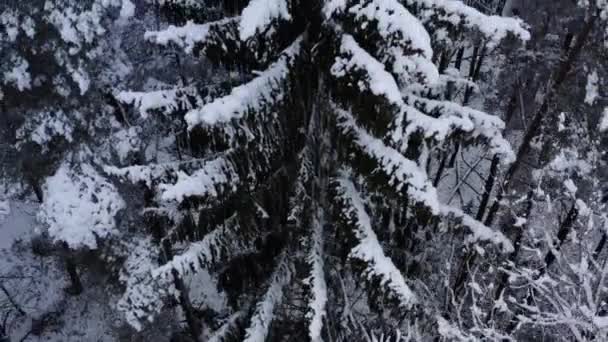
494,28
259,14
202,183
479,231
483,125
210,177
190,34
316,282
409,49
80,206
407,119
167,101
368,249
401,172
252,96
264,313
221,243
227,329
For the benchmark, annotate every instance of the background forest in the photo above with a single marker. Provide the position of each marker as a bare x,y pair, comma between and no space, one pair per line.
303,170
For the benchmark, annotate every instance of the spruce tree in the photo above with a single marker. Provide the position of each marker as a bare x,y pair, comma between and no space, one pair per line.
305,186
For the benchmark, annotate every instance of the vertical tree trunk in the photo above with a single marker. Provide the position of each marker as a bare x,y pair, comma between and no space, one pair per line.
442,164
562,233
35,184
70,266
600,247
489,184
474,71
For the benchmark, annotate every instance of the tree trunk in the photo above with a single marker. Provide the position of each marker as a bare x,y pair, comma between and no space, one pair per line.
70,266
562,233
35,184
560,76
554,85
600,247
474,72
489,184
11,300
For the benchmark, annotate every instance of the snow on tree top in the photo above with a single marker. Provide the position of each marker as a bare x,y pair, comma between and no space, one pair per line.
392,18
259,14
146,102
188,35
80,206
457,13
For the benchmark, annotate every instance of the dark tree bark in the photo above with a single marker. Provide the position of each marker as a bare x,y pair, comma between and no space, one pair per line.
75,286
562,233
554,86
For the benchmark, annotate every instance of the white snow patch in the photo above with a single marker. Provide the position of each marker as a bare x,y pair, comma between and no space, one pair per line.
591,89
188,35
79,206
259,14
604,121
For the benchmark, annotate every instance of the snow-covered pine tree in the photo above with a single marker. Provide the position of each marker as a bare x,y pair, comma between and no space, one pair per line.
56,68
53,73
350,99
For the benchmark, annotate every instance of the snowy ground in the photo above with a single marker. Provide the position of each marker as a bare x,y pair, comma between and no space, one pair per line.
36,285
17,220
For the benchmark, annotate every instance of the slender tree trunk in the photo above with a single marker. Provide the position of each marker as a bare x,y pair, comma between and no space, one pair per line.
474,72
492,175
11,301
70,266
555,84
562,233
443,65
600,247
459,56
442,164
35,184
